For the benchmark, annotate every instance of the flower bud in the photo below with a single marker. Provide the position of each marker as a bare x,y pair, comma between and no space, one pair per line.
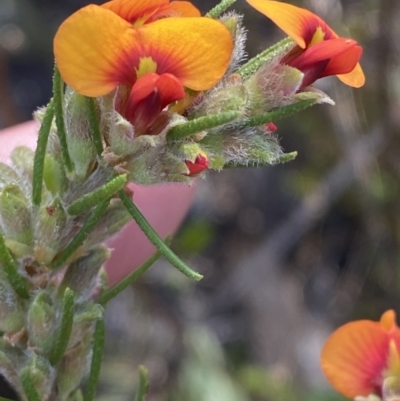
22,158
11,309
82,274
7,176
119,132
10,359
273,85
72,368
229,95
42,322
41,374
50,220
15,220
80,143
53,175
199,164
85,318
113,219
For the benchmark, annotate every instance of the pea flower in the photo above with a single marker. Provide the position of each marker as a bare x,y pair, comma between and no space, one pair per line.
363,358
320,52
98,49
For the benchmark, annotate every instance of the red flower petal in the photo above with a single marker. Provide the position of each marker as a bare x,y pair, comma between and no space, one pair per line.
200,164
324,51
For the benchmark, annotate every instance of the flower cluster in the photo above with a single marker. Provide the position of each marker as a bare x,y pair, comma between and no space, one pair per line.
362,358
171,95
154,93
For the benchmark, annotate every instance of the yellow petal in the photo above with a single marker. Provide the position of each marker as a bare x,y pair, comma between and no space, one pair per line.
355,78
298,23
91,47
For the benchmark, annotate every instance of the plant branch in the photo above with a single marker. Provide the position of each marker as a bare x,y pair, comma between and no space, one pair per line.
156,240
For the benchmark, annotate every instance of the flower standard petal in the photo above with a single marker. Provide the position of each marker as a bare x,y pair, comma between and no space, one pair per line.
177,9
133,10
355,357
142,12
196,50
300,24
90,48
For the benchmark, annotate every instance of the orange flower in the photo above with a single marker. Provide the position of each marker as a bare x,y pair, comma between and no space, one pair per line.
359,356
97,49
320,52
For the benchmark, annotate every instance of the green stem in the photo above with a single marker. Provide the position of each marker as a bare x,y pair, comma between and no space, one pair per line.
143,384
81,235
220,8
17,282
98,351
58,95
29,387
86,202
248,69
64,332
40,153
5,399
156,240
94,125
114,291
182,131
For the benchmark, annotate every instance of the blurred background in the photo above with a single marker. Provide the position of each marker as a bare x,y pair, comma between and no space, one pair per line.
288,252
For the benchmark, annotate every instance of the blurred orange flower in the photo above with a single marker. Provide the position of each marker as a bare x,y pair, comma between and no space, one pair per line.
359,356
98,49
320,52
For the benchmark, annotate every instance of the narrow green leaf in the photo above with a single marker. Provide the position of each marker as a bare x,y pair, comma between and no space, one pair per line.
156,240
5,399
114,291
40,153
182,131
86,202
143,384
64,332
58,96
277,114
94,125
216,11
29,387
98,351
248,69
17,282
286,157
82,234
